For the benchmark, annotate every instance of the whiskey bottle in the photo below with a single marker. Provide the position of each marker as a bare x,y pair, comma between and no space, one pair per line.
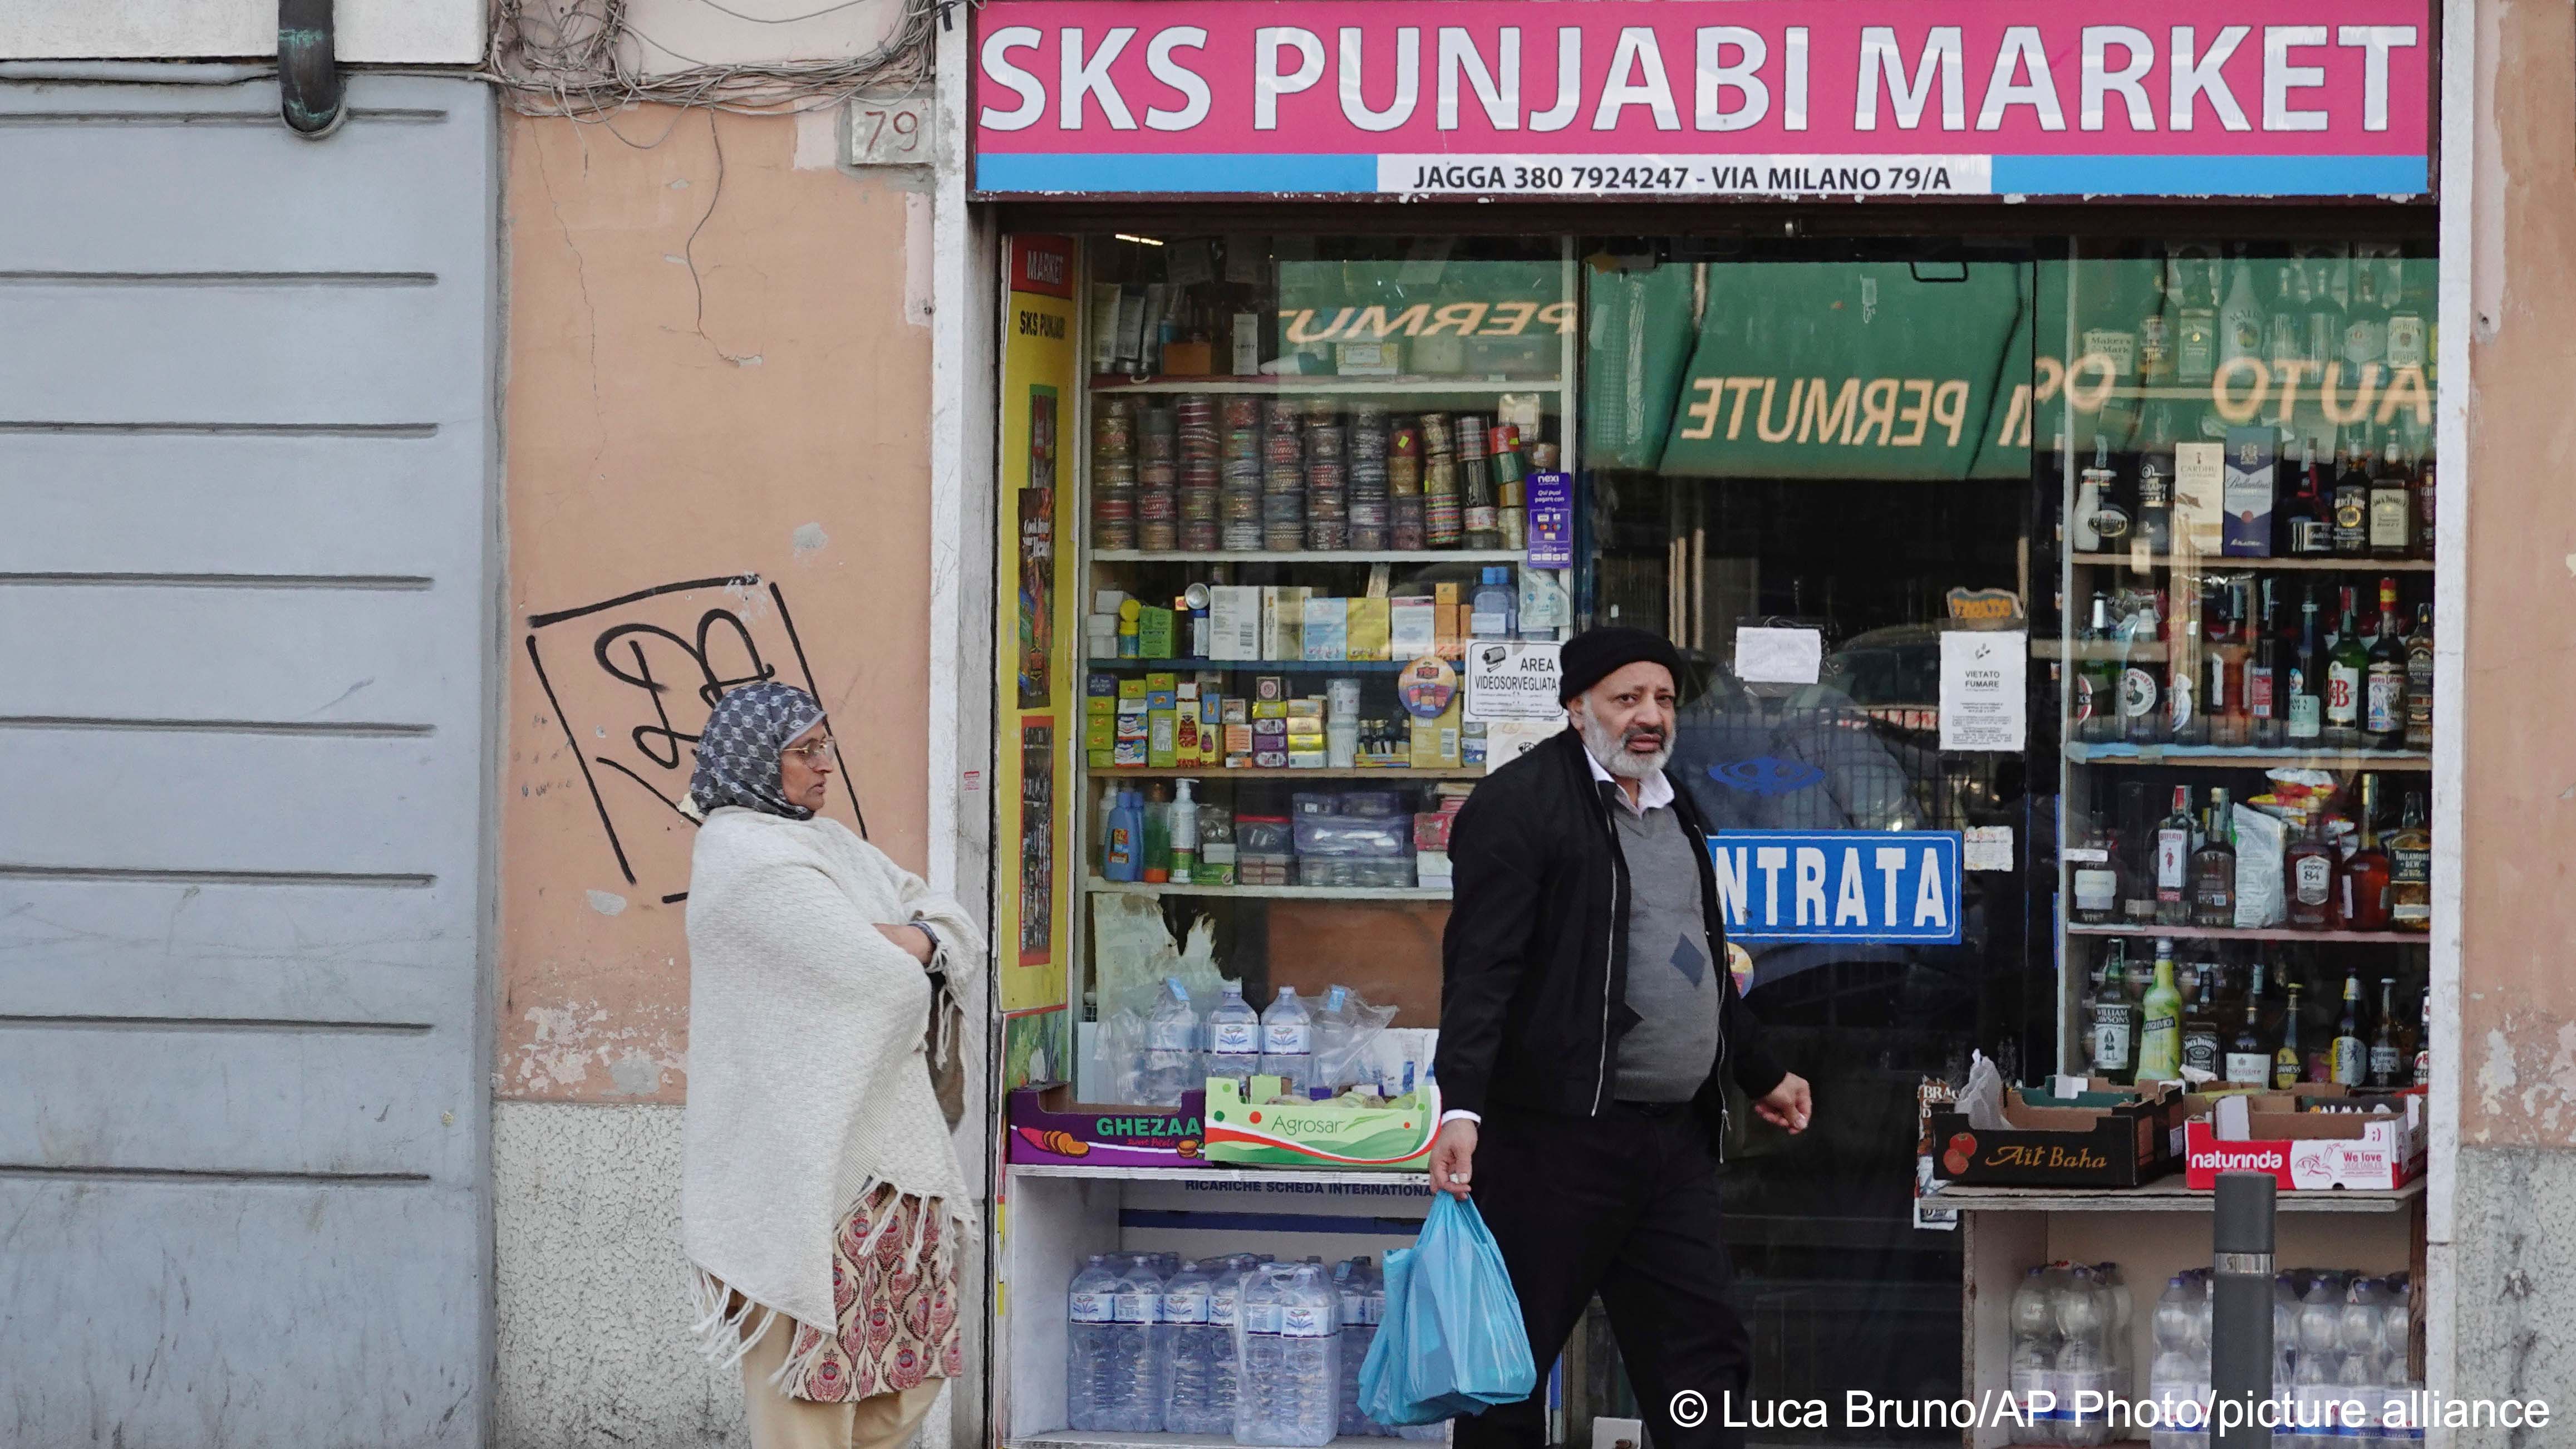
2115,1018
2240,318
2424,502
2410,870
2365,324
2366,874
2384,1054
2349,1059
2196,325
2307,678
2281,339
2247,1061
2306,528
2392,504
2325,320
2352,496
2142,721
2345,666
2095,710
2102,523
2093,876
2309,867
2160,1023
2424,1040
2383,690
2138,871
2289,1063
2155,335
2419,681
2200,1030
2224,701
2155,530
2173,861
2264,707
2213,868
2405,328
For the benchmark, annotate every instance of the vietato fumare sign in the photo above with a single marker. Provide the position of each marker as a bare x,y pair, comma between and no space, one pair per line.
1702,97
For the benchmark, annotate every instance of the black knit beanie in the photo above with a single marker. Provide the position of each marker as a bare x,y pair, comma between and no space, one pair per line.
1596,654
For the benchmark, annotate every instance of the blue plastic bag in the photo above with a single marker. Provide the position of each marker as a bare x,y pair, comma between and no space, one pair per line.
1452,1341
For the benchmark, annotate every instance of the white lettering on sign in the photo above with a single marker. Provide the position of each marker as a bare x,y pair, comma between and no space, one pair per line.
1850,885
1513,682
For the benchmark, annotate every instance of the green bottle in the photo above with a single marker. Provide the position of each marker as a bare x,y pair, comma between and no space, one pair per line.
2160,1024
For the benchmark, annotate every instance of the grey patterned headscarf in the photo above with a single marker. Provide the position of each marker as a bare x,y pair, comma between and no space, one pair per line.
738,750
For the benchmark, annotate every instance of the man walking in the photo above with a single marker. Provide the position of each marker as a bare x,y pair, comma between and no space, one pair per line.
1588,1022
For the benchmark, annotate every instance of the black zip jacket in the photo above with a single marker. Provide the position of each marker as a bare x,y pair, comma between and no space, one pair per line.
1534,964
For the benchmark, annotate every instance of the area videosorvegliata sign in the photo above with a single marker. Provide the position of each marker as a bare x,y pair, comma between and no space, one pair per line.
1758,98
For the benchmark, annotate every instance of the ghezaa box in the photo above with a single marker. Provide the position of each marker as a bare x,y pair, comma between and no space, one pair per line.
1048,1126
1318,1134
2377,1151
2118,1137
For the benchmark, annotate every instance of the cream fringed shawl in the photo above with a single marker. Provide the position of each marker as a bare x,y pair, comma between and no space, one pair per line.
809,1071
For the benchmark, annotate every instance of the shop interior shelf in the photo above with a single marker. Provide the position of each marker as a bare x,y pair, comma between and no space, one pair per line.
1257,666
2199,392
1208,1173
1119,1439
1219,772
2269,933
2213,562
1310,556
1271,893
2164,1195
2117,653
1325,383
2237,757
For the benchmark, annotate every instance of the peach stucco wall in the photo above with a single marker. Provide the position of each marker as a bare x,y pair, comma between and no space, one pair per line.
2518,981
717,424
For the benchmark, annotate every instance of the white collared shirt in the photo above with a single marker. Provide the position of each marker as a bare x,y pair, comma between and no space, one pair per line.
1655,792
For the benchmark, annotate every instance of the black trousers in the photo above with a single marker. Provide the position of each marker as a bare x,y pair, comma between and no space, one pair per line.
1624,1205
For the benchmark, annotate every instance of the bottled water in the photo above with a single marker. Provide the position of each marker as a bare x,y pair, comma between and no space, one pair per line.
2119,1321
1131,1385
1291,1364
2173,1383
1332,1041
1169,1062
2083,1360
2311,1420
1193,1346
2034,1355
1088,1323
1233,1038
1352,1281
1226,1281
1262,1317
1287,1043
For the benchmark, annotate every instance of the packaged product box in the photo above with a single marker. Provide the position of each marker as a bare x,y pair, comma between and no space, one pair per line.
1270,687
1283,620
1412,628
1431,869
1129,754
1099,731
1338,1134
1132,689
1368,629
2250,469
1153,632
1234,622
1185,726
1238,742
1369,359
1435,741
1189,359
1048,1126
2266,1132
1211,728
2200,500
1263,709
2121,1139
1431,830
1162,739
1238,710
1327,633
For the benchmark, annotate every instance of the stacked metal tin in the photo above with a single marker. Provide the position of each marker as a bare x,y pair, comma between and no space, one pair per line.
1368,474
1440,497
1328,477
1239,476
1283,476
1404,487
1113,474
1476,484
1511,500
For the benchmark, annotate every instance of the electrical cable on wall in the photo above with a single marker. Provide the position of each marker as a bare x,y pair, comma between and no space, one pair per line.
579,58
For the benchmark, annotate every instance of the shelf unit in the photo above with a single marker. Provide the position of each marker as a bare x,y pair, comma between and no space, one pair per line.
1306,556
1333,384
1212,1176
1257,666
2237,757
2164,1195
1094,885
2230,933
2222,563
1392,774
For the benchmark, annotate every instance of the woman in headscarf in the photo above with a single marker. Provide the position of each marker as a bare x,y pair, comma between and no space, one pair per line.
831,999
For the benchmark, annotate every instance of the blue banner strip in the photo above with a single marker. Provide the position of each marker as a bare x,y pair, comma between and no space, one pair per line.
2210,175
1266,1222
1195,174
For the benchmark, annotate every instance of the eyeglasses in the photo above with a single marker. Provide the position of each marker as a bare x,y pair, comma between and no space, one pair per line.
814,751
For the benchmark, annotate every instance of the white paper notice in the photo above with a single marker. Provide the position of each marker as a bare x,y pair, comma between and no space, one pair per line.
1779,656
1989,847
1507,740
1513,681
1984,700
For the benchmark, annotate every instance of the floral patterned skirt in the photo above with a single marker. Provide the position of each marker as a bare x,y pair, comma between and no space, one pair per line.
895,1286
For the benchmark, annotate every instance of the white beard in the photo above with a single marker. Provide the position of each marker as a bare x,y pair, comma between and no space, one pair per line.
1611,751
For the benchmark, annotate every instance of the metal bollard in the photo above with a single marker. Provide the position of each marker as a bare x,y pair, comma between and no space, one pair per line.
2240,1315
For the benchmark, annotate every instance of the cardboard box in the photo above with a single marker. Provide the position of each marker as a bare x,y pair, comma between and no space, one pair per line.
1368,629
1047,1125
2377,1151
1412,628
1153,632
1328,629
1316,1134
1234,622
2119,1143
2251,468
1435,741
1283,621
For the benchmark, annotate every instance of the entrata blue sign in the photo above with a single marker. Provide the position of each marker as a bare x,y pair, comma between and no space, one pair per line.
1839,885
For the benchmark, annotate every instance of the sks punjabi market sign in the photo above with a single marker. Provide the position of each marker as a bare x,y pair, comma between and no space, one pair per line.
1702,97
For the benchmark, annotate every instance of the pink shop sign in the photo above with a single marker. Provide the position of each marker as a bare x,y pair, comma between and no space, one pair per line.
1717,98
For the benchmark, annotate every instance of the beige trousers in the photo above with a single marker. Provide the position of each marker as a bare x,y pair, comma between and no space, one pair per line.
885,1421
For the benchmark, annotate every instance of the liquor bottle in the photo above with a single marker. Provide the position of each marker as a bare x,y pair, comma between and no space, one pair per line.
2349,1059
2096,706
2308,868
2200,1029
2281,339
2101,521
2160,1023
2225,700
2325,321
2115,1018
2424,502
2419,681
2155,530
2352,496
2392,504
2345,666
2248,1063
2289,1063
2307,678
2138,871
2240,318
2424,1040
2410,870
2141,694
2405,327
2185,722
2155,334
2365,324
2366,873
2306,528
2213,868
2383,686
2196,325
2093,871
2385,1058
2173,861
2264,704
